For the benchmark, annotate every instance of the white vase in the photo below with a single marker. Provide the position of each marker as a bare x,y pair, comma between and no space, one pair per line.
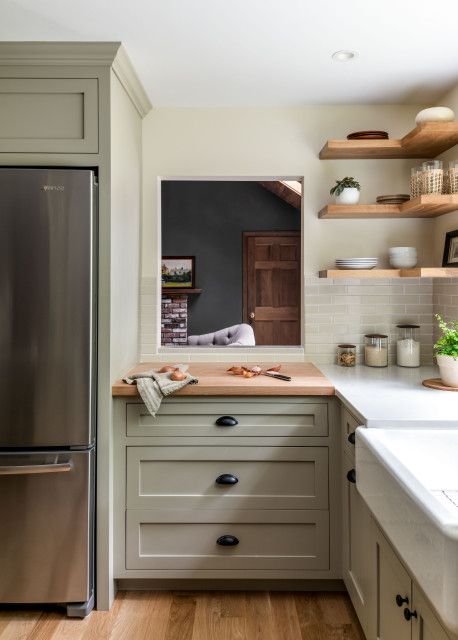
448,367
350,195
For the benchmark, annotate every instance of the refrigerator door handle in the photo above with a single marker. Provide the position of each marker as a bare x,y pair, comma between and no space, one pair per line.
28,469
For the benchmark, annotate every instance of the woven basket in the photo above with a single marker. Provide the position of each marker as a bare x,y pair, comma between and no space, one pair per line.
432,181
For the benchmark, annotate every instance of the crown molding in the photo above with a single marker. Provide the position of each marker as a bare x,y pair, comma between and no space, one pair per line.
111,54
58,53
129,79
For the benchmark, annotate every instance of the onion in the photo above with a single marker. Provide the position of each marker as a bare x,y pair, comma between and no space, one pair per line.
177,376
167,368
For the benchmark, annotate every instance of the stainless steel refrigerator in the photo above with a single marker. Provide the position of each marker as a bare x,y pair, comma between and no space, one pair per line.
47,386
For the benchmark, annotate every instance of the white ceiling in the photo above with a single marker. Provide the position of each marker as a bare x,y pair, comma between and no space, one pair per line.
262,52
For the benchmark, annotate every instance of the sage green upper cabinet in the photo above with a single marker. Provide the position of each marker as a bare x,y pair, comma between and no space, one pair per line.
49,115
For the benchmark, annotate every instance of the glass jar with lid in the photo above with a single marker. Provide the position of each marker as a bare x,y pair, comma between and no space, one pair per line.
408,346
376,350
346,355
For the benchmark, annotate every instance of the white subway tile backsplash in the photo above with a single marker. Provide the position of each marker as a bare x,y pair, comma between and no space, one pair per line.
445,301
335,311
367,306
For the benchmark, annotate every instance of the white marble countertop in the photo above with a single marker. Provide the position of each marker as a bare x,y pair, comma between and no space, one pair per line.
394,396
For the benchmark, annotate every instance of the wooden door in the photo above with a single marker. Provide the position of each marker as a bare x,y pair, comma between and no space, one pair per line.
271,291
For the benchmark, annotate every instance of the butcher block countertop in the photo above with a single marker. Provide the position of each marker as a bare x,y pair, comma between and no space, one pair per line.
306,380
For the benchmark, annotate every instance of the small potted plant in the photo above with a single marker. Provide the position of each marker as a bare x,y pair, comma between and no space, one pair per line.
447,352
346,191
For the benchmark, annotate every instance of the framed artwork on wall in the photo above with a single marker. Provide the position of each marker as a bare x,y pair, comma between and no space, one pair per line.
450,258
178,272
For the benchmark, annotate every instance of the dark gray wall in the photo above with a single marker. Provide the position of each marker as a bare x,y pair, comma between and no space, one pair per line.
206,219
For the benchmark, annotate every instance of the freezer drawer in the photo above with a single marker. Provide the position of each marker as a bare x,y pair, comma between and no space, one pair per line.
46,526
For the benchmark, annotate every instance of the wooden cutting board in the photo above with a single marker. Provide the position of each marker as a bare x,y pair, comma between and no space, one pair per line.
436,383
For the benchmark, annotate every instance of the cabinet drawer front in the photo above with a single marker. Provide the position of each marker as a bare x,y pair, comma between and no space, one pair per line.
254,419
268,477
167,544
49,115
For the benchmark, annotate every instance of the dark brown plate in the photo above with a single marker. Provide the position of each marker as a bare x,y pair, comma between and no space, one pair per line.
368,135
394,199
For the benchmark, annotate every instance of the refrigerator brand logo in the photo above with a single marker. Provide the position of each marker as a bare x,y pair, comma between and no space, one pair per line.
53,187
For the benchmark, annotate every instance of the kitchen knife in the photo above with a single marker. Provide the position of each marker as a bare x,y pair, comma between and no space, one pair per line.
279,376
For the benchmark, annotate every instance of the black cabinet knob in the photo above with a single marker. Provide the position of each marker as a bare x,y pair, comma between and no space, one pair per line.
226,478
408,614
400,600
351,476
226,421
227,541
352,437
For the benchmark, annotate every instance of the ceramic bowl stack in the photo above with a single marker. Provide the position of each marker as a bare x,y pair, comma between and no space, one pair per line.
403,257
356,263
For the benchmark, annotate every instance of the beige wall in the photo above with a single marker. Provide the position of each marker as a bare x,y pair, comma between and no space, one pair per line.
284,142
278,142
448,222
126,150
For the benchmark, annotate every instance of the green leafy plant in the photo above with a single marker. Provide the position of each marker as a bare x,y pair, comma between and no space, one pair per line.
447,345
345,183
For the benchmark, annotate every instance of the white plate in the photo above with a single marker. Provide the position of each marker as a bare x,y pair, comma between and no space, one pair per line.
361,263
356,259
359,266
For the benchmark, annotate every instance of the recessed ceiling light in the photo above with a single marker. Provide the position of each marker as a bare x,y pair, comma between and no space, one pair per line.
344,55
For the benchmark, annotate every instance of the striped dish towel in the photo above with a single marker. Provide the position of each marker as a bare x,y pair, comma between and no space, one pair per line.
153,386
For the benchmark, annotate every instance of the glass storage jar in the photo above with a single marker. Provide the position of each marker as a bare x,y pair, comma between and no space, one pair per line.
415,181
432,177
376,350
346,355
408,346
453,176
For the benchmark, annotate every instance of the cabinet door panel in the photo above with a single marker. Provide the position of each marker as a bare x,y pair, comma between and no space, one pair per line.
393,580
49,115
426,625
359,553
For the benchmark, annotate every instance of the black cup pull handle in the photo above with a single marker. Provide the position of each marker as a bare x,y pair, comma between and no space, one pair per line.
226,421
400,600
408,614
351,476
227,541
352,437
226,478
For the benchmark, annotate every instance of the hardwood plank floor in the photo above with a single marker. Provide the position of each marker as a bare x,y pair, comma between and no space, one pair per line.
194,615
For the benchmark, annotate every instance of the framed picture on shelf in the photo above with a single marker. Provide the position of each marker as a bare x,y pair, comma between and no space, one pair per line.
178,272
450,258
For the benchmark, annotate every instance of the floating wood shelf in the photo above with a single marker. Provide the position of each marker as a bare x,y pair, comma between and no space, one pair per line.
418,272
429,206
175,291
427,140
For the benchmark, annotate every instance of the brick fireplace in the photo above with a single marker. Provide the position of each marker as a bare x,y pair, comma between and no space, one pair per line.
174,320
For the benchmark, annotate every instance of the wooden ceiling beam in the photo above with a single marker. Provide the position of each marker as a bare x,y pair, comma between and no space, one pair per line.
285,191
